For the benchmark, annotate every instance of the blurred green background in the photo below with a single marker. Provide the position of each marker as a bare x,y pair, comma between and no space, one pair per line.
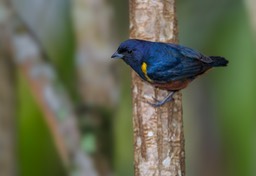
219,108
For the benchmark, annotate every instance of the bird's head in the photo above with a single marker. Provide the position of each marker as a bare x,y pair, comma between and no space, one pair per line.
131,51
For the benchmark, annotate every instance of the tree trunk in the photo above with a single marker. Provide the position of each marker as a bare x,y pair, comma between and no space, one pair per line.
158,132
93,30
7,112
7,118
97,87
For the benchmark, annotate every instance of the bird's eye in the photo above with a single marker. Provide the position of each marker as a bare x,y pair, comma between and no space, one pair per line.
129,51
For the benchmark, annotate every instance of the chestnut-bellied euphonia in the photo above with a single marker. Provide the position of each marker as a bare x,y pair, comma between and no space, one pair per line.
167,66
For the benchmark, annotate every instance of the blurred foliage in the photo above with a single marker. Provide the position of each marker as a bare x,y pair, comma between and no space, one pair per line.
222,28
123,121
123,129
37,154
218,108
237,109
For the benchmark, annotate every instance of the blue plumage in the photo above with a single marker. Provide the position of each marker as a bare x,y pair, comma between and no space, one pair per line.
165,65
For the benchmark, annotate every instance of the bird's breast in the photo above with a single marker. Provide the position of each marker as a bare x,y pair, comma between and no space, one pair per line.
174,85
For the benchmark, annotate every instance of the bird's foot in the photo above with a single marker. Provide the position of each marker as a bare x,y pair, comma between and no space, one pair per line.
168,98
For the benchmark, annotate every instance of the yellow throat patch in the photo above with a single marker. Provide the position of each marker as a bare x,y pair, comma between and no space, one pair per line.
144,70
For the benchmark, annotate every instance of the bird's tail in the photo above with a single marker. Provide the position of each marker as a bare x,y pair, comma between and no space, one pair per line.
218,61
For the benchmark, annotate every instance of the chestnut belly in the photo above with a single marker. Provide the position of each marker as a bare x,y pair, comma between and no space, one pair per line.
174,85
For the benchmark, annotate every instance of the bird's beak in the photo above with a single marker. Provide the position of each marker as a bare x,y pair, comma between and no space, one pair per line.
116,55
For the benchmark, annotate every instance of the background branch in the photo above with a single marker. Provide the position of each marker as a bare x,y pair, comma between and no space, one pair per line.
54,102
51,97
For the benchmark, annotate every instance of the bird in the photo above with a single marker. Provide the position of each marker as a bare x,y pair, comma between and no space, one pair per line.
167,66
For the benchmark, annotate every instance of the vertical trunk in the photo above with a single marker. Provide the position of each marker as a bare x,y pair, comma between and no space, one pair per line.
7,119
92,24
97,87
7,115
7,102
158,132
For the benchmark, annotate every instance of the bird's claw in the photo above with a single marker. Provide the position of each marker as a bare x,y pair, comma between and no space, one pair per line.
159,103
162,102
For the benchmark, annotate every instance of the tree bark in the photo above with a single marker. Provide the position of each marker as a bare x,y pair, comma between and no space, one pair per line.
7,102
7,118
158,132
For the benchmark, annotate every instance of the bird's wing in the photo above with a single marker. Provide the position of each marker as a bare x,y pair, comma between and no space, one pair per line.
184,70
177,63
189,53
